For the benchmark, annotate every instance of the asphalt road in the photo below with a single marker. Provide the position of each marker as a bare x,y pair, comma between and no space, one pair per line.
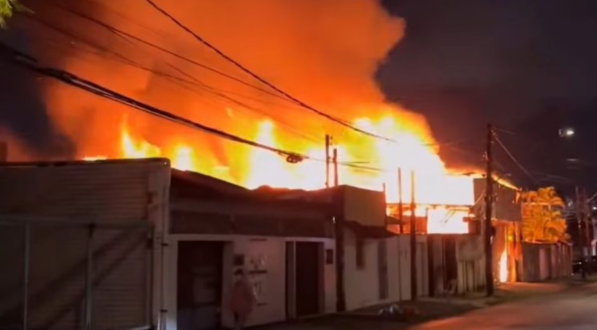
573,309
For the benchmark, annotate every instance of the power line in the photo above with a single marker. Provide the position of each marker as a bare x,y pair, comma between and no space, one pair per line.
182,82
263,80
514,158
120,32
30,63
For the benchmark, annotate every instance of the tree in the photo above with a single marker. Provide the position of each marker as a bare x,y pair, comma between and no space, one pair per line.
7,9
542,219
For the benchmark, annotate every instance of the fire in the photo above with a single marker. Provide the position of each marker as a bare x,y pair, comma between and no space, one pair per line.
320,52
447,221
503,267
137,149
441,197
94,158
184,158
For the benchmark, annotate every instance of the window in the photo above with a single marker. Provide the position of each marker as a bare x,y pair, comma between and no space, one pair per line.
360,253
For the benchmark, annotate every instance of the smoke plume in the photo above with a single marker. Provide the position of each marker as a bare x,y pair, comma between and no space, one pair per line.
325,52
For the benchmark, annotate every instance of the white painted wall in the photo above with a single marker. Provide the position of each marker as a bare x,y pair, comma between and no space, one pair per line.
271,306
399,267
362,284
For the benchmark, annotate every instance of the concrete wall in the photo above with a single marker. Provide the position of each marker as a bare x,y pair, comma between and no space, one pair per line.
546,261
367,207
399,267
471,263
362,284
271,304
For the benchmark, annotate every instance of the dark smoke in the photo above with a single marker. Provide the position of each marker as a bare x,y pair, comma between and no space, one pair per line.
22,109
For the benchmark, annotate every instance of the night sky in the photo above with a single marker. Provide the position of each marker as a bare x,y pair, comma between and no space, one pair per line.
529,67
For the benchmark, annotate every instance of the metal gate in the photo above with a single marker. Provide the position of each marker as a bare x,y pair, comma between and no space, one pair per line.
67,275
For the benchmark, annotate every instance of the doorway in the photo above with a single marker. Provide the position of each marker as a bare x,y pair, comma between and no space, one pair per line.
450,264
199,285
382,263
307,279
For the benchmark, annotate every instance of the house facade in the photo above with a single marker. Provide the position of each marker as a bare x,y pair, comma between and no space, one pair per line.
286,249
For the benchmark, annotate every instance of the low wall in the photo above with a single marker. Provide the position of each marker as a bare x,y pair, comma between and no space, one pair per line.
542,262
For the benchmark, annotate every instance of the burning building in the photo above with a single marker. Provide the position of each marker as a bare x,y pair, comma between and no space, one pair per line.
325,53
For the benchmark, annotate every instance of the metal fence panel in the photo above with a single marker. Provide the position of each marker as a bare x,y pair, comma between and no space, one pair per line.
79,277
11,276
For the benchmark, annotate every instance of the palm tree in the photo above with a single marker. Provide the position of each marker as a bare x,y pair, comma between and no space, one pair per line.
542,216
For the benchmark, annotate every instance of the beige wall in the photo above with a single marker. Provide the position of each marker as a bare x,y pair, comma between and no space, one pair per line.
364,206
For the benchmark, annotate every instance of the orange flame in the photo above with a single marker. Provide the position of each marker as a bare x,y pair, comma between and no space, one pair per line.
503,267
434,185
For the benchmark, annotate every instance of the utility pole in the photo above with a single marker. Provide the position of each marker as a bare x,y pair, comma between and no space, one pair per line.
335,160
586,217
400,207
339,235
328,142
581,236
413,239
489,214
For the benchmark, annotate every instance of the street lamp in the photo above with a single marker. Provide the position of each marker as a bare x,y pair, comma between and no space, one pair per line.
567,132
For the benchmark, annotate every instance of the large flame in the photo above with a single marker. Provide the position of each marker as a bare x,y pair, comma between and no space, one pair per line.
324,52
435,188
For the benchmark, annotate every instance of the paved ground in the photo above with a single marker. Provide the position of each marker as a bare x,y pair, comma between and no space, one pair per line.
570,305
573,309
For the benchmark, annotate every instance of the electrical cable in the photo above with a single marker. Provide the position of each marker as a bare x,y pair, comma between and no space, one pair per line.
286,98
31,63
260,79
524,170
177,80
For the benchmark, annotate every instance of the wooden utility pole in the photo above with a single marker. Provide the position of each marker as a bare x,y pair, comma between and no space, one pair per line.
335,160
328,142
413,239
488,215
339,235
400,205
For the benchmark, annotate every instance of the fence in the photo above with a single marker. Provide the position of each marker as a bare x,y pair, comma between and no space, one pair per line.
543,262
66,275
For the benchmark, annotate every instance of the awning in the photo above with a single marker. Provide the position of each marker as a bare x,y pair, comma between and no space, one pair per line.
368,231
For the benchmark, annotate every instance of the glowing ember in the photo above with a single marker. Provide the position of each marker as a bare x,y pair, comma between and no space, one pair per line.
503,267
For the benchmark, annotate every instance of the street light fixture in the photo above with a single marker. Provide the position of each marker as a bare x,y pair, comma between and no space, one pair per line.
567,132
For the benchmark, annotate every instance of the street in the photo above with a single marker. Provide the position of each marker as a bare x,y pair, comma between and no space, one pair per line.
575,308
565,306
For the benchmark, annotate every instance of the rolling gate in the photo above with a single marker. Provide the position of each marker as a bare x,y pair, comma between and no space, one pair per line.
77,245
67,275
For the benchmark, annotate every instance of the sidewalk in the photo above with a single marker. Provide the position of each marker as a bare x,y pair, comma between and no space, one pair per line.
431,308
